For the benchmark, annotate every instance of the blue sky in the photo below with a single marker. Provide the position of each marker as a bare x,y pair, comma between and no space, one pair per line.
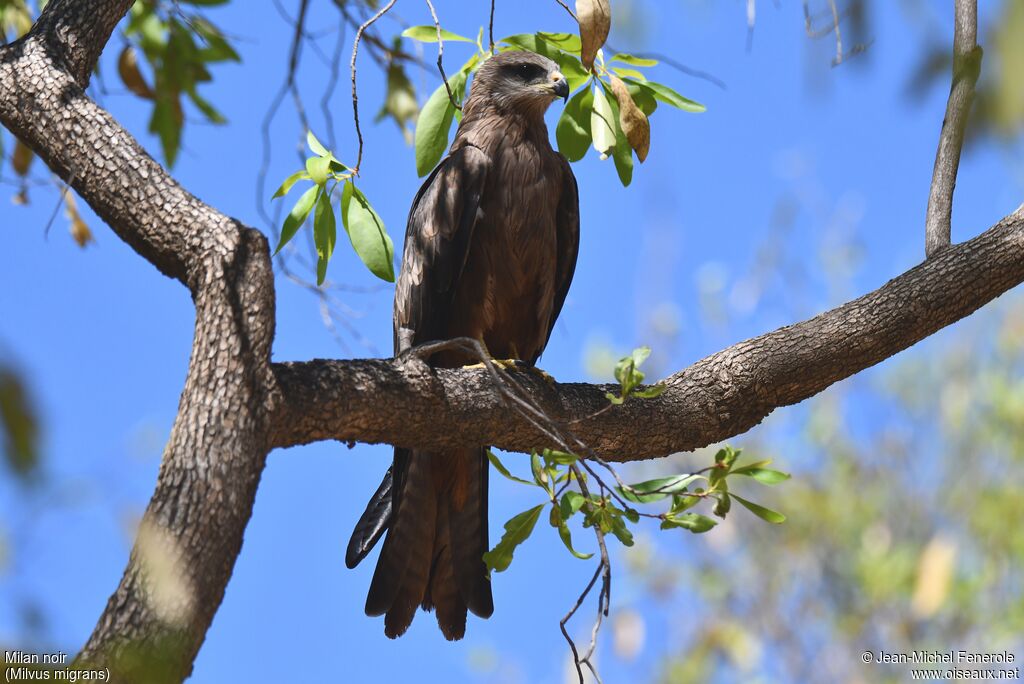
104,338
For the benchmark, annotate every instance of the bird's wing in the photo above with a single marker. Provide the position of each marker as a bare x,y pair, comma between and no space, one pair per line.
437,241
568,226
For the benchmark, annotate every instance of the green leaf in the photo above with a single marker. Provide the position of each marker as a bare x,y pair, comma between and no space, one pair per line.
761,512
650,391
432,127
620,531
553,456
297,216
400,102
570,42
166,122
655,490
428,34
602,123
532,43
755,464
208,110
503,470
318,168
643,98
217,49
670,97
573,70
291,180
538,471
763,475
366,231
325,233
571,503
573,129
315,145
683,502
614,399
622,153
727,456
566,536
517,530
689,521
723,505
634,61
629,73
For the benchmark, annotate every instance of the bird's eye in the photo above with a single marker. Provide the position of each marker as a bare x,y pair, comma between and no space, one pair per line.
527,71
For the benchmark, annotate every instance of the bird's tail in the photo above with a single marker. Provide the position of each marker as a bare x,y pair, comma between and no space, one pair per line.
432,555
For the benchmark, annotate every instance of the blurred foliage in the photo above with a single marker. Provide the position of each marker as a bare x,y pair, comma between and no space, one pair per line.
999,103
19,426
178,44
901,536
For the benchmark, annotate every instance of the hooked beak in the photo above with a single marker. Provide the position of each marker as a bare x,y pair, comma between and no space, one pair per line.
559,85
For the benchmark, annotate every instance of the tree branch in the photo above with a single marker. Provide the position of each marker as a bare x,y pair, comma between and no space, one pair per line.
191,533
76,31
966,68
236,405
403,402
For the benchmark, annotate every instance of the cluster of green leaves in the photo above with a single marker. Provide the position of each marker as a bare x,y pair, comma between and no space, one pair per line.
178,47
363,225
629,376
609,111
613,511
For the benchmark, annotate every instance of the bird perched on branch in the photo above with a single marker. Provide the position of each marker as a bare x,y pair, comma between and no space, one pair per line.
490,250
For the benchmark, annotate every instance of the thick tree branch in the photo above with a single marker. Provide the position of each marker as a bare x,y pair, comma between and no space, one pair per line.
236,405
966,68
76,31
721,396
191,533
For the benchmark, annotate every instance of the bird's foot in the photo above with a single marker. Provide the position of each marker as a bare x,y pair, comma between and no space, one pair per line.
504,364
518,365
548,378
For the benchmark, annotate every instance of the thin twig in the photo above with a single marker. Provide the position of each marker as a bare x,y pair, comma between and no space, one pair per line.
678,66
293,63
566,8
966,68
60,201
440,55
332,82
604,569
568,616
839,34
490,28
352,65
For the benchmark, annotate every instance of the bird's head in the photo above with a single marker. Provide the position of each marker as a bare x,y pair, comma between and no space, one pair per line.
523,81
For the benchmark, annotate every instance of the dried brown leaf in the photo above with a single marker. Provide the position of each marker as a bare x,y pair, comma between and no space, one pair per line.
595,18
79,230
128,70
21,158
633,121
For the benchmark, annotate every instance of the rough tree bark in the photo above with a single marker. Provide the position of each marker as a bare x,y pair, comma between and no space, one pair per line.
236,405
